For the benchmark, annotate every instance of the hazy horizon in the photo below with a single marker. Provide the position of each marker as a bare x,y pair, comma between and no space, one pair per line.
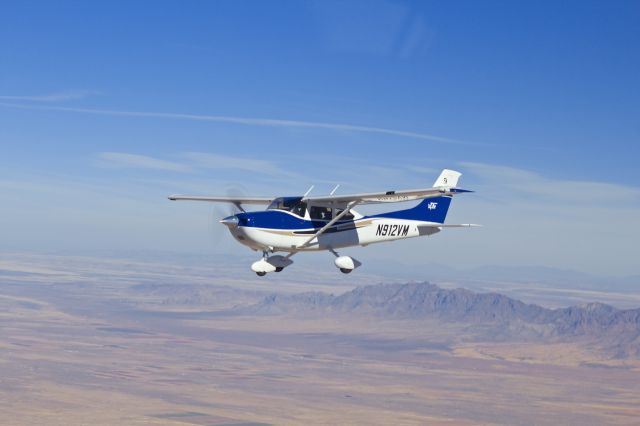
106,110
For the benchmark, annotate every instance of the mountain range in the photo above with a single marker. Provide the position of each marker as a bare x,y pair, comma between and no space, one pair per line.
615,331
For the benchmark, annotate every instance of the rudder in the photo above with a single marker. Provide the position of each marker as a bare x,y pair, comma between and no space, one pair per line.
448,178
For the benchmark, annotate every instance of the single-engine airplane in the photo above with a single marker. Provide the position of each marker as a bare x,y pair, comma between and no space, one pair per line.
308,223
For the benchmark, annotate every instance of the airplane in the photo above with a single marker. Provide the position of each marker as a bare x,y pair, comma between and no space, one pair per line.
312,223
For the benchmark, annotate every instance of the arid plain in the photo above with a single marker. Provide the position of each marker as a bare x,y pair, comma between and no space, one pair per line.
105,341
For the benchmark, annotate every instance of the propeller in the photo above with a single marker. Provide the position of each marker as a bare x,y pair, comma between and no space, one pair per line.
220,236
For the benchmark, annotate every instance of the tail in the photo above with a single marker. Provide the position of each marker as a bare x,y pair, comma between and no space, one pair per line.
433,209
448,178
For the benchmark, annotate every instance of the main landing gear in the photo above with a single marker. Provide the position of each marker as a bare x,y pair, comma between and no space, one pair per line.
345,264
277,263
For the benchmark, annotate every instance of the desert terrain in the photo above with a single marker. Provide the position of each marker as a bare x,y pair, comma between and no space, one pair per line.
112,341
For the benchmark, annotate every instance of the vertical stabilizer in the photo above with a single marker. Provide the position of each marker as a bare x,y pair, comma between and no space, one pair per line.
448,178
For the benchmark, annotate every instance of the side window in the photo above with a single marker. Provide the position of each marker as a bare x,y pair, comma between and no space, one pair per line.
299,209
347,216
320,213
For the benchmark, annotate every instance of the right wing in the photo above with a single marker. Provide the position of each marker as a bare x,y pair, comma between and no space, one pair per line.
444,185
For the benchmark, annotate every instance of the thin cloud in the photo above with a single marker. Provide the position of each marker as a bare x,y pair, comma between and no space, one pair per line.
217,162
524,183
248,121
194,162
426,170
120,159
52,97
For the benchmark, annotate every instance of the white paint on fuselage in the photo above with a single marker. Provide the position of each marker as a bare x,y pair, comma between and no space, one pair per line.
376,230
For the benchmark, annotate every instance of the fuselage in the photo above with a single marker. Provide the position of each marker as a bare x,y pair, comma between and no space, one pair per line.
329,222
280,230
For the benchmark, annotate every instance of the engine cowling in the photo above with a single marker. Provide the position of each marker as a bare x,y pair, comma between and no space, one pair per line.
346,264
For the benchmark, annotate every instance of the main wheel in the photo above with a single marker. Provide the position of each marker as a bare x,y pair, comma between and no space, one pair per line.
279,269
345,270
261,274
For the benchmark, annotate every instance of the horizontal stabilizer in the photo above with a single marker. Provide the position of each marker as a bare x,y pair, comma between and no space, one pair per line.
448,225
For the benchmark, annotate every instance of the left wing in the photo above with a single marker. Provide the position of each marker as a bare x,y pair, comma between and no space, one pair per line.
233,200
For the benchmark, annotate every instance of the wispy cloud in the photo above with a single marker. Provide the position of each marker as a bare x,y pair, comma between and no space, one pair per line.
424,170
52,97
218,161
526,183
249,121
191,162
120,159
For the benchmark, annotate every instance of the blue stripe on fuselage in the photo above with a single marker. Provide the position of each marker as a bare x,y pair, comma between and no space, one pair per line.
278,219
428,210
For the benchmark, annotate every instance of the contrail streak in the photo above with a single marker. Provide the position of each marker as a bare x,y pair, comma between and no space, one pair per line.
267,122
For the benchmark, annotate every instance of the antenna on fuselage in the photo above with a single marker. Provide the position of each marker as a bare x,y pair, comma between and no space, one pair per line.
308,191
334,189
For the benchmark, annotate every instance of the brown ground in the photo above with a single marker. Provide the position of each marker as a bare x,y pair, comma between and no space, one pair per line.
74,354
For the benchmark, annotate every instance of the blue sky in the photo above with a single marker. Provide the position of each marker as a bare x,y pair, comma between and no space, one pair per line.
107,107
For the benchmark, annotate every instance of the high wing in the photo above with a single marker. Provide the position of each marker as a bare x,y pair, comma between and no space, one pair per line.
383,197
233,200
444,185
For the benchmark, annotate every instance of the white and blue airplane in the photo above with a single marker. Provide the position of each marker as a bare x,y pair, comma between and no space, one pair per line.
309,223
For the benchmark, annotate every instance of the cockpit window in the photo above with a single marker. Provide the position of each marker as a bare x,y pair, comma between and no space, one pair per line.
300,208
348,216
294,205
320,213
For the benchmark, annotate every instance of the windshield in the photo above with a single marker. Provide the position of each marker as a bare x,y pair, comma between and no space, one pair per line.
294,205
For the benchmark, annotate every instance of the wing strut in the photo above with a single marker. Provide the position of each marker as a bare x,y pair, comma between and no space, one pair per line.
322,230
